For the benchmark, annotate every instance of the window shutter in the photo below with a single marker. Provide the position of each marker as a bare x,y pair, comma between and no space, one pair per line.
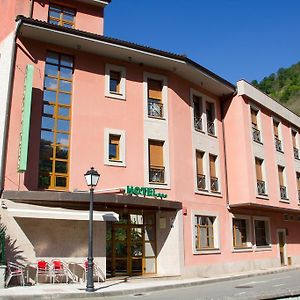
254,117
212,165
199,159
294,139
154,89
275,126
258,166
298,181
156,153
280,175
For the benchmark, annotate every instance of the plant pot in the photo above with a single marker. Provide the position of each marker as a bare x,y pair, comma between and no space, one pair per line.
2,276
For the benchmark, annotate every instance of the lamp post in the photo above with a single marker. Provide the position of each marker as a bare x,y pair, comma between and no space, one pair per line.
91,177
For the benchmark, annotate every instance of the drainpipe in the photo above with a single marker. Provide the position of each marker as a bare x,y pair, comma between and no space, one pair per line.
7,107
31,8
224,142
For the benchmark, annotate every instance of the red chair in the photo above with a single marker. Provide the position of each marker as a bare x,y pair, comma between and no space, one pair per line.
59,269
15,270
97,272
42,268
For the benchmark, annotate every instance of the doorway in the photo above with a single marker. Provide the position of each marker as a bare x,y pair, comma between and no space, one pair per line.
131,245
282,246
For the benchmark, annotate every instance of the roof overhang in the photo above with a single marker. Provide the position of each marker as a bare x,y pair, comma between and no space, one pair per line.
42,212
129,52
100,3
81,200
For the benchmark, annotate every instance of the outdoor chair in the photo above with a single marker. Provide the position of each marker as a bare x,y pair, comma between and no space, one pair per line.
61,269
15,270
97,272
43,269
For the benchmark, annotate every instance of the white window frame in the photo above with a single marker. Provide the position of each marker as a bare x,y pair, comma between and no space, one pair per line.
216,228
259,123
122,154
249,245
110,94
201,96
279,134
268,233
264,175
214,102
285,183
297,141
218,173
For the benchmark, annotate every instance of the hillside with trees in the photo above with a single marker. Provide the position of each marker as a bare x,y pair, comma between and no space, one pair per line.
284,86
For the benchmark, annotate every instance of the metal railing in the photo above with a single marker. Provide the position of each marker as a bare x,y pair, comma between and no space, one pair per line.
211,128
214,184
278,144
256,135
157,174
201,184
261,187
155,109
283,194
296,153
198,123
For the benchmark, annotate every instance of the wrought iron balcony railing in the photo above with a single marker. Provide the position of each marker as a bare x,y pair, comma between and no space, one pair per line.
278,144
157,174
155,109
211,128
283,194
261,187
214,184
198,123
256,135
201,184
296,153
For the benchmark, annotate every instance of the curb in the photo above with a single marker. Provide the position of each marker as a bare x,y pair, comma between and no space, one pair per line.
167,286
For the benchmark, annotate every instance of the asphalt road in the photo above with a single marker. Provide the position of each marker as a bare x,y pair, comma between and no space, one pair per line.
273,286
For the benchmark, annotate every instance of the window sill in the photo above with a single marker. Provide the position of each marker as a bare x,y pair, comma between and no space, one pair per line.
287,201
212,135
115,96
279,151
160,185
207,251
262,248
198,130
115,163
242,249
208,193
156,118
258,142
263,197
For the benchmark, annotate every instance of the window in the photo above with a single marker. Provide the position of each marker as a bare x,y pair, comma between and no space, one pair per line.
255,130
155,104
278,144
210,118
204,238
156,163
115,81
197,104
63,16
261,185
201,181
261,228
282,187
56,119
114,147
240,233
214,182
2,245
295,144
298,185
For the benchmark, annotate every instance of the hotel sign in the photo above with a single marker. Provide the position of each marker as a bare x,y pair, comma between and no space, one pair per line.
144,191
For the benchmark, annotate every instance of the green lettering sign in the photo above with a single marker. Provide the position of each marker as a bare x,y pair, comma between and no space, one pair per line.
144,191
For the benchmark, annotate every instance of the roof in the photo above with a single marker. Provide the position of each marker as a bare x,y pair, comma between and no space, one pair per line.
230,88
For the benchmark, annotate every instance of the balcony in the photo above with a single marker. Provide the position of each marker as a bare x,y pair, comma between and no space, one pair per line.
157,174
211,128
283,194
198,123
155,109
296,153
256,135
278,144
201,185
214,184
261,187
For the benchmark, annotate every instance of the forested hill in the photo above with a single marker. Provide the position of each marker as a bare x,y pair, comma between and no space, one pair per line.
283,86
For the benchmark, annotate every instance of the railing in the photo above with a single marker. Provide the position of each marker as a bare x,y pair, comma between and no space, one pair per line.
201,185
157,174
261,187
283,194
155,108
278,145
211,128
198,123
256,135
296,153
299,196
214,184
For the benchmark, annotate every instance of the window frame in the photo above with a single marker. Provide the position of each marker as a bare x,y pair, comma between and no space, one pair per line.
122,147
264,177
295,143
259,124
248,246
284,179
121,95
60,20
279,137
267,233
163,160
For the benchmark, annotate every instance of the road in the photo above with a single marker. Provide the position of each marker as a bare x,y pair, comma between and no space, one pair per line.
259,287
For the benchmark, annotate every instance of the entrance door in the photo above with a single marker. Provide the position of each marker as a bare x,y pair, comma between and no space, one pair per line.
282,246
131,245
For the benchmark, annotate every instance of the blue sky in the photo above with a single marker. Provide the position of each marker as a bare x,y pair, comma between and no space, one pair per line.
237,39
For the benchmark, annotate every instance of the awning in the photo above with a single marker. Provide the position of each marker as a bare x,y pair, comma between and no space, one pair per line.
42,212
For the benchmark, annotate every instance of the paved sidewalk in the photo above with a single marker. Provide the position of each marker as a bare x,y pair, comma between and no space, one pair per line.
127,286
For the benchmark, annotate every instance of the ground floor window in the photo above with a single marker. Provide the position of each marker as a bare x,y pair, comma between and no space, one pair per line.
240,232
261,227
204,232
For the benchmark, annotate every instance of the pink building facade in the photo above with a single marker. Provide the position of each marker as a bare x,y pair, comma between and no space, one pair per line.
203,175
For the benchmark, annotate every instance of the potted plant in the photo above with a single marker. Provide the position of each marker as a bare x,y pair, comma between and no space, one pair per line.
2,257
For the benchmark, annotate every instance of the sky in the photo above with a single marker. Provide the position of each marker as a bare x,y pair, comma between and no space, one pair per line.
236,39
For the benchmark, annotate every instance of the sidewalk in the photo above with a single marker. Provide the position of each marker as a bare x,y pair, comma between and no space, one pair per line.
127,286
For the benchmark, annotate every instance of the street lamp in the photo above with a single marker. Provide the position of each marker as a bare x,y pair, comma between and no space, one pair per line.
91,177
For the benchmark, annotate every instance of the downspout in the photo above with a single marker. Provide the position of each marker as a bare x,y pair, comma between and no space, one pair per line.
224,143
31,8
7,107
